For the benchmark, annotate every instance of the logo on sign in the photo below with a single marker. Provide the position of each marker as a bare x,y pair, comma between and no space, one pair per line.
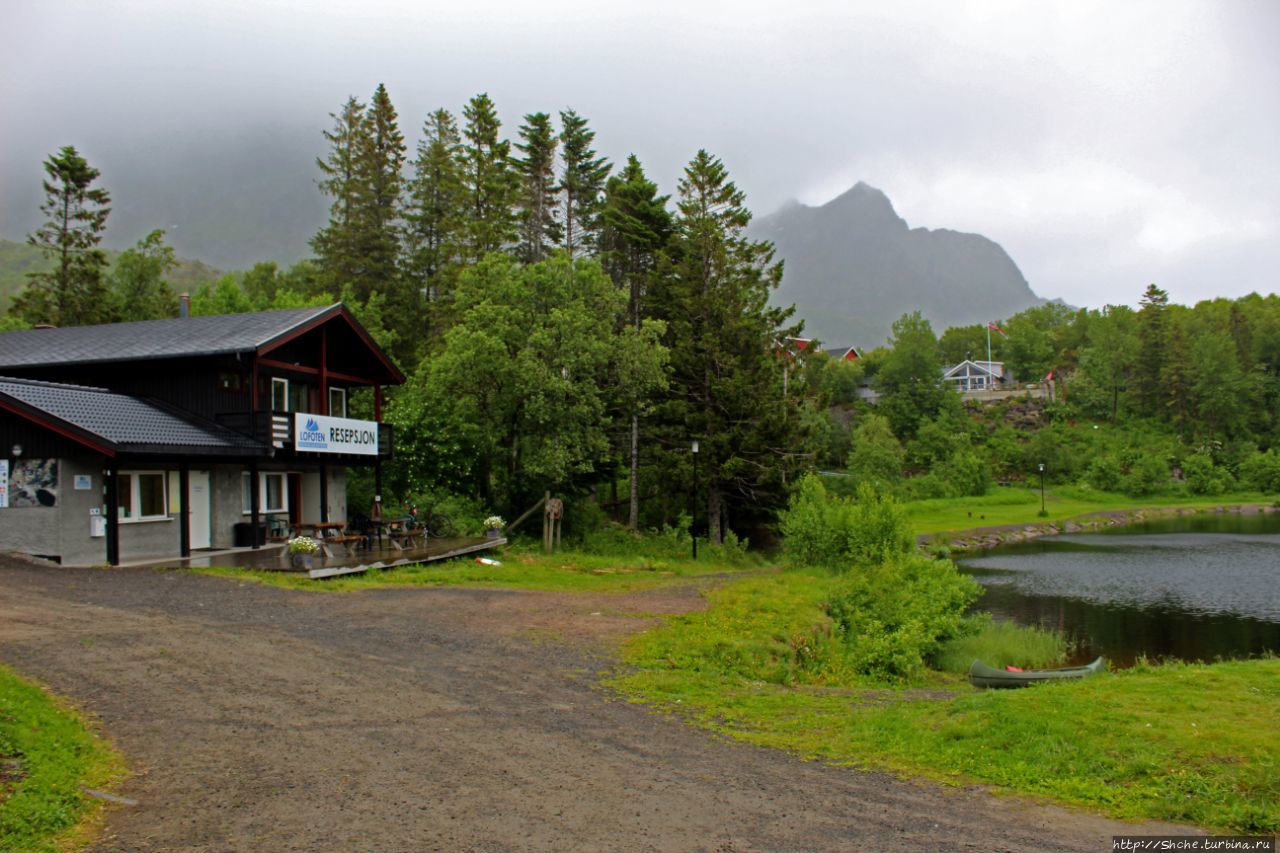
312,437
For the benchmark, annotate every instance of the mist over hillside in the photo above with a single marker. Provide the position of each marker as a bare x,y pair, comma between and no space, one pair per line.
853,266
231,200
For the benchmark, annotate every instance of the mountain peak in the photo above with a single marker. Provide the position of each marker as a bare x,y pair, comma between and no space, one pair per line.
853,266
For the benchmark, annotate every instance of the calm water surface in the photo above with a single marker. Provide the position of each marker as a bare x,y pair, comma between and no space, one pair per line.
1194,588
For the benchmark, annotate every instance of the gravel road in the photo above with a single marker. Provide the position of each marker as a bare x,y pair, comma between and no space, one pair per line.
256,718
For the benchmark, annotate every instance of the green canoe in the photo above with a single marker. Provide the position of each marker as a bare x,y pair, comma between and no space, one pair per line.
981,675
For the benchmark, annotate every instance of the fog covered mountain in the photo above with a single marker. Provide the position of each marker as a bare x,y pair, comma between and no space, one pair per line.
853,266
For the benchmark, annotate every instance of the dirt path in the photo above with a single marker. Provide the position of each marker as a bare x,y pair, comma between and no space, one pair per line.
437,719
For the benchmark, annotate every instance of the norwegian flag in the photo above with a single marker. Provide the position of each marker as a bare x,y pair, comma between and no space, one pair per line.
995,327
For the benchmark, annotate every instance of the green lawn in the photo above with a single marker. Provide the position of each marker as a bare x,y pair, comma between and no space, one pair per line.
47,754
1022,506
1190,743
566,571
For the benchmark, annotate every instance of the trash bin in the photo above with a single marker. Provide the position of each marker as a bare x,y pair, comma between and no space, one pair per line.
242,535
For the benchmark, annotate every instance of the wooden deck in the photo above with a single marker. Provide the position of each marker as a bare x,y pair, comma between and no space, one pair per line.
274,557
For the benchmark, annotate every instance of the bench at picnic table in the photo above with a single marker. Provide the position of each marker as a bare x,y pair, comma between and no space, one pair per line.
400,536
329,533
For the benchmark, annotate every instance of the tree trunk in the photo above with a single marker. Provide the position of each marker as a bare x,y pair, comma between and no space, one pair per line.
633,518
714,536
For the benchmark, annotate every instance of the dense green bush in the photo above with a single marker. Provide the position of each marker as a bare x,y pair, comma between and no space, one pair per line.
1105,473
838,533
1205,478
895,614
1261,471
1147,475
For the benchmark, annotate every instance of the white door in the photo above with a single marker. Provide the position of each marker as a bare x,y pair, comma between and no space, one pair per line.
199,504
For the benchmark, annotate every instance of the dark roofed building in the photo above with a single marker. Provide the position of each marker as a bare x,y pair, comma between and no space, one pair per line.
167,436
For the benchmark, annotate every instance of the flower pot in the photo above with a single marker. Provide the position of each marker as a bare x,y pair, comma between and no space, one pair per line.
303,561
493,533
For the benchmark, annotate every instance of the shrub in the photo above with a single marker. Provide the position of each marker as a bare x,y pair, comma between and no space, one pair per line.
1203,477
1261,471
1147,475
966,473
894,615
1105,473
822,530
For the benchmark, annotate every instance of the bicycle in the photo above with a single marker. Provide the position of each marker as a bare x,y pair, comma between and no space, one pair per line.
437,525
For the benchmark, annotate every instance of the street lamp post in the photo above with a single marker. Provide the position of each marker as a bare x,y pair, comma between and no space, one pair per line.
1042,509
693,516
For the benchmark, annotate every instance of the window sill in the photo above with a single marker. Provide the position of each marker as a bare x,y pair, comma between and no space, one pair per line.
146,520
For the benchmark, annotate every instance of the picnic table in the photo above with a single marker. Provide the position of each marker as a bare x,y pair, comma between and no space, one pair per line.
400,535
329,534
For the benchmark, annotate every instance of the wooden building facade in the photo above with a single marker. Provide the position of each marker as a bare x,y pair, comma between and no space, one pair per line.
154,439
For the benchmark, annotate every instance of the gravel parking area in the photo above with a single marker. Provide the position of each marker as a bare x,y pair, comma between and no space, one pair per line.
257,718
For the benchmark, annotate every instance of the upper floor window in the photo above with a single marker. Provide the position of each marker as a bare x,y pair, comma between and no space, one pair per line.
338,402
279,394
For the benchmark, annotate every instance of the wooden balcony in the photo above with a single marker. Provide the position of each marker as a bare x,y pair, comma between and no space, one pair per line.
276,429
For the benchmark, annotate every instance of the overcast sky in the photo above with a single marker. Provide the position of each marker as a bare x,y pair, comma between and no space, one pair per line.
1105,145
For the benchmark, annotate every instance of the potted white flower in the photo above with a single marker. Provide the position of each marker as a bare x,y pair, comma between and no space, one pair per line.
493,527
302,551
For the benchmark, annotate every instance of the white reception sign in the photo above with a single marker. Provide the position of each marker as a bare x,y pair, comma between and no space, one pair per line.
323,434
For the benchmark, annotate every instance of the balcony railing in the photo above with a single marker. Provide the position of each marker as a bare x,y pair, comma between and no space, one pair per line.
276,429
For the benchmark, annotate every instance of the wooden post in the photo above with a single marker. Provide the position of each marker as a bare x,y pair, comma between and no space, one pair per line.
184,511
546,522
324,493
112,488
253,504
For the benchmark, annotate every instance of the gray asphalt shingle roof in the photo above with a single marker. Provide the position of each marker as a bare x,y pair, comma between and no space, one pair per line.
177,338
129,423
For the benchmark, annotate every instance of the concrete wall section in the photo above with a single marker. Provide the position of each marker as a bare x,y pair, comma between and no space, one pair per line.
226,503
75,544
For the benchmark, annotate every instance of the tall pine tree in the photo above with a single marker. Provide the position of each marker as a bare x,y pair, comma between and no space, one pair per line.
436,219
636,227
727,388
581,184
539,223
382,156
74,292
490,183
337,244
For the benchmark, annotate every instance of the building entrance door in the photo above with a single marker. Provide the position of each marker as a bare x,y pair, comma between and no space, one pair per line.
199,504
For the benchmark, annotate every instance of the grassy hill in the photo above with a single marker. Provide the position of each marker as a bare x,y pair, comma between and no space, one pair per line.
19,259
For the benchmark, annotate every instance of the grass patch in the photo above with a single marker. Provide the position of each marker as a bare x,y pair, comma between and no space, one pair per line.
1022,506
566,571
1002,644
46,754
1178,742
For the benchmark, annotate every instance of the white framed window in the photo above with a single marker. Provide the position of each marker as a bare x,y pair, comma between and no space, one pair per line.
273,496
142,496
279,394
338,402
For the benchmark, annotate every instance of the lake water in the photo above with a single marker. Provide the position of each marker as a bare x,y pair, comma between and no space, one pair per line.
1194,587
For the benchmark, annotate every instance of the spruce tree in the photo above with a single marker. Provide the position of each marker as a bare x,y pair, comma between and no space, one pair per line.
337,244
382,156
490,183
581,184
74,292
1153,345
727,388
636,227
539,226
435,217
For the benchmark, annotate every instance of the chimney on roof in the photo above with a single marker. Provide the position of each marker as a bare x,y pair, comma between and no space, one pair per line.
184,305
